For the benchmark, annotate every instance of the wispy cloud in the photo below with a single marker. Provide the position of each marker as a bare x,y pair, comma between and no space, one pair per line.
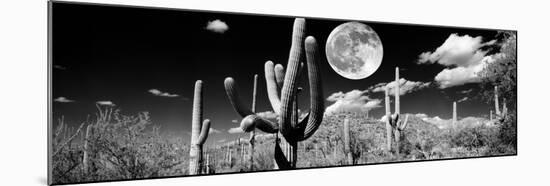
217,26
466,91
235,121
352,101
462,100
405,86
464,56
214,131
62,100
106,103
157,92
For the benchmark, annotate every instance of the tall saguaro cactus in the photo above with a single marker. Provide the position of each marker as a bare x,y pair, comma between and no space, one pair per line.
282,91
199,132
253,132
393,121
86,156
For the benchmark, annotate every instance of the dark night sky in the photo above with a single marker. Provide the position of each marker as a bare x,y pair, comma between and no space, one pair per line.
117,54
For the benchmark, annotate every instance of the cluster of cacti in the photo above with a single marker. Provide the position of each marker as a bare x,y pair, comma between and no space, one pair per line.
284,104
393,121
499,114
199,132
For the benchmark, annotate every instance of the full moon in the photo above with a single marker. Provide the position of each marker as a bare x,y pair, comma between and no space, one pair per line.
354,50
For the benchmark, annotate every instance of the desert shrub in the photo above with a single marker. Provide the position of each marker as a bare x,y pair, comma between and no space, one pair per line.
473,137
508,131
120,147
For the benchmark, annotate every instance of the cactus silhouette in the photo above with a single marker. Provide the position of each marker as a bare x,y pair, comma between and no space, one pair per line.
393,122
291,129
199,132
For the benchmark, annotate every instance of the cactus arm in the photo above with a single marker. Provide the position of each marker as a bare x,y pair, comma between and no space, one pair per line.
315,115
232,94
204,131
404,123
393,120
279,75
289,86
272,86
253,121
197,112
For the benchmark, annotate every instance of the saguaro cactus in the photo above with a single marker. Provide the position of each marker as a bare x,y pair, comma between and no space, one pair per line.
347,142
86,156
253,132
199,132
389,128
497,109
500,115
207,164
393,120
454,113
291,130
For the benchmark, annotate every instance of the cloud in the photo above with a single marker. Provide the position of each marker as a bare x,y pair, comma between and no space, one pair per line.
236,130
217,26
451,77
62,100
405,86
234,121
466,91
383,118
157,92
352,101
462,100
59,67
222,140
463,57
457,50
214,131
106,103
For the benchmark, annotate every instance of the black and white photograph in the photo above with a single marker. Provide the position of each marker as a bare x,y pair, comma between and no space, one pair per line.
139,93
